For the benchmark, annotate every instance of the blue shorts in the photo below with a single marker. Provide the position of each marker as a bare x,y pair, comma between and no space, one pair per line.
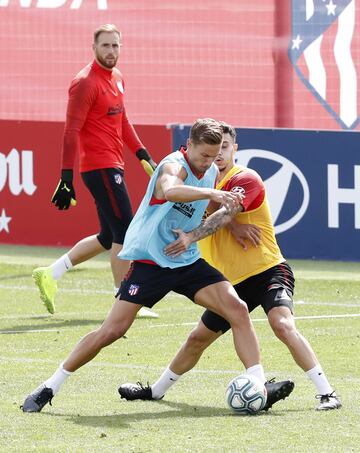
146,284
271,288
108,188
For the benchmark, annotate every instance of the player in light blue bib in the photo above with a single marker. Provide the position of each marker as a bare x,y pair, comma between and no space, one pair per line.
152,226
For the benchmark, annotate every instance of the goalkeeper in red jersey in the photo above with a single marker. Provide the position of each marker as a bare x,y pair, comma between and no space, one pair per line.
96,128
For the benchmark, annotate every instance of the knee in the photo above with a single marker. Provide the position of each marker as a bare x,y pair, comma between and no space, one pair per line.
107,335
237,312
283,329
196,343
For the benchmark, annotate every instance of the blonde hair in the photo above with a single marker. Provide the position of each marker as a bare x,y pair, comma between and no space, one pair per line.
106,28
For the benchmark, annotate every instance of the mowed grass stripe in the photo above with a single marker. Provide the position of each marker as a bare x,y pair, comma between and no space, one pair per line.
303,318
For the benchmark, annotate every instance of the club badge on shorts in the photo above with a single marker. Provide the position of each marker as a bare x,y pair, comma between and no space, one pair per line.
133,290
118,179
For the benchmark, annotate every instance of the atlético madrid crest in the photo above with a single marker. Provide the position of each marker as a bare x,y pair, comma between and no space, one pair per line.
133,289
325,52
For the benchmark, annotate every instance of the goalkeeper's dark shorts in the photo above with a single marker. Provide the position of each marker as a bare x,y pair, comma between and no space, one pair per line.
108,188
146,284
271,288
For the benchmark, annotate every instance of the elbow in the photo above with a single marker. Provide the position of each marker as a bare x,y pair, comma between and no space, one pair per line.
171,195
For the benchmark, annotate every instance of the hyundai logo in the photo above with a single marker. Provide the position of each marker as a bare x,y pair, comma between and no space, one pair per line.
277,186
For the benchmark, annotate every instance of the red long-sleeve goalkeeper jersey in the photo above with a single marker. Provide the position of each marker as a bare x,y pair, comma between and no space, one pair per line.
96,122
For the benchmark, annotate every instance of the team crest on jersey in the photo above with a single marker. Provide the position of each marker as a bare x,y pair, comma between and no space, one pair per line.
118,179
238,189
133,290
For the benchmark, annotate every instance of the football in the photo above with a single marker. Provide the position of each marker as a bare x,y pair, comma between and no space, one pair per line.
246,395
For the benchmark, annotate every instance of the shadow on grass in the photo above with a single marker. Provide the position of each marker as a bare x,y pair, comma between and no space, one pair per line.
48,322
169,410
56,325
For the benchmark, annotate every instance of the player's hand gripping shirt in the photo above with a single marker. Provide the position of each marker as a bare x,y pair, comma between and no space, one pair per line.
223,251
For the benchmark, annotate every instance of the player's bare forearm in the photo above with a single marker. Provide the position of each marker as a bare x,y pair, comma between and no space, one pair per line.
185,194
215,221
170,186
209,226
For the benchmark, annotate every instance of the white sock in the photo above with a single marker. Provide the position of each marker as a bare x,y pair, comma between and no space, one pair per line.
319,379
57,379
62,265
166,380
258,371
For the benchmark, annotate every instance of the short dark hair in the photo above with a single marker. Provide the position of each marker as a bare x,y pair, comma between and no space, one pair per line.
228,129
206,130
106,28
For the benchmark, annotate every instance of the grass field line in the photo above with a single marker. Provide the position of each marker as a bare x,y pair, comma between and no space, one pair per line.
121,366
9,332
106,292
98,365
327,304
107,365
183,324
63,290
66,315
345,315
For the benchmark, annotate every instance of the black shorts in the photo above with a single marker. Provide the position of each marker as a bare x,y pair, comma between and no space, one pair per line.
271,288
108,188
146,284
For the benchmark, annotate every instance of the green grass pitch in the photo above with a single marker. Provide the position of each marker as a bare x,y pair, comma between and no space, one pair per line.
88,415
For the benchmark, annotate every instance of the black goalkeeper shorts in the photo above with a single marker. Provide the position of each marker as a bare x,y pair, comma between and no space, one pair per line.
108,188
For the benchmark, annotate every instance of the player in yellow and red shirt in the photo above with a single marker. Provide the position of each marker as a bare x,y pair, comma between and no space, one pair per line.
246,252
97,128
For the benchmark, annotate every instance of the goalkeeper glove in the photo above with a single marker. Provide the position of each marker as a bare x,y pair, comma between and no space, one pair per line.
64,194
146,161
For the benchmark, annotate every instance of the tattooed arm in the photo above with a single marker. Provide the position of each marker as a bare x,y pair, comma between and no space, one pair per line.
212,223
